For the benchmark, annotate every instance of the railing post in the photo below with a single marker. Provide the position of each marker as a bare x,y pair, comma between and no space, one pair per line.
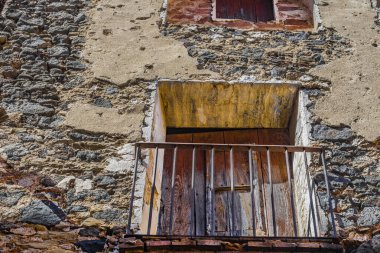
310,195
328,192
137,154
232,232
172,191
192,218
251,179
151,203
291,189
271,193
212,191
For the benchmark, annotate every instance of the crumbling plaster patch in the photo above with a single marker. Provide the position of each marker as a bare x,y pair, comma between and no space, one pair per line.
355,91
124,43
104,120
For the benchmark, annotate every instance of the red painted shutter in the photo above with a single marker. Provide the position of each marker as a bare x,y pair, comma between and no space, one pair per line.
264,10
251,10
221,8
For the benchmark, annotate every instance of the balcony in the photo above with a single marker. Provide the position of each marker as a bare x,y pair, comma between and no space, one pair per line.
261,196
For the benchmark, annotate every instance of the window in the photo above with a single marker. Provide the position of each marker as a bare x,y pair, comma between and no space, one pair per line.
243,14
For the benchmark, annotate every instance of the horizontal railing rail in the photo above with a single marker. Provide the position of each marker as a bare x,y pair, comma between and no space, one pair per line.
232,148
209,146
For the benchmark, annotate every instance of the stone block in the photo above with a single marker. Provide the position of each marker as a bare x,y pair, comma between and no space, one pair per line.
38,212
369,216
323,132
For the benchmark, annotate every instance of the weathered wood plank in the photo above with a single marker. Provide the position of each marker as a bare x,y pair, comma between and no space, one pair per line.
221,199
243,205
200,189
283,215
182,192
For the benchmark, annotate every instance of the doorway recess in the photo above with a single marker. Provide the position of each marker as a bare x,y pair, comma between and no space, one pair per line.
225,113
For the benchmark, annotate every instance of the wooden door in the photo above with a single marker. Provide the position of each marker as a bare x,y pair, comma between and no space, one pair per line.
223,198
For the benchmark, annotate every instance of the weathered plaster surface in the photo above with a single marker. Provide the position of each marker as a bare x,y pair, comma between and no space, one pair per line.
104,120
355,91
124,43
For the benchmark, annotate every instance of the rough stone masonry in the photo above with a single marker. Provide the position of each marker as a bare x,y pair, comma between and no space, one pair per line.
76,85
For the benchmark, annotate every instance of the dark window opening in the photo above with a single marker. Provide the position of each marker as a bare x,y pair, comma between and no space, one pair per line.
251,10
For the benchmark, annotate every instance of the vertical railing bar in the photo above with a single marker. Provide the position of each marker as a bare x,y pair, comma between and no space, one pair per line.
291,192
308,224
250,161
212,191
232,232
317,214
271,193
172,191
265,222
137,154
328,191
192,218
310,195
152,190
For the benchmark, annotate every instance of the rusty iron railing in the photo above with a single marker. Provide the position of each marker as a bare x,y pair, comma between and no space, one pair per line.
231,148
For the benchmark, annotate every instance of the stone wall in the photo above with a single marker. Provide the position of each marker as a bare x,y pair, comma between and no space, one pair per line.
279,55
60,170
66,135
